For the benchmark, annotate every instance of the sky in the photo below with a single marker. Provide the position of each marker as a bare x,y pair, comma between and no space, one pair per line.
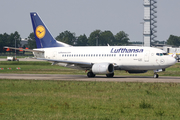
85,16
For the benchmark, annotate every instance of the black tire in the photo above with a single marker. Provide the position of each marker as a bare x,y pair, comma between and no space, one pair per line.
110,75
91,74
156,75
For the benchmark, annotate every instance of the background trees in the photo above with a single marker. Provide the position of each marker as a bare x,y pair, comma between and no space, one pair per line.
173,40
67,37
97,37
107,37
31,41
94,37
121,38
82,40
9,40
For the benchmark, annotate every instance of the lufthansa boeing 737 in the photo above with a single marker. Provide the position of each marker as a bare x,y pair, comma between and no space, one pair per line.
97,59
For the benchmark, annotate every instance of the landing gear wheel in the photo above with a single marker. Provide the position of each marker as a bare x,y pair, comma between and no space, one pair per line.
156,75
110,75
91,74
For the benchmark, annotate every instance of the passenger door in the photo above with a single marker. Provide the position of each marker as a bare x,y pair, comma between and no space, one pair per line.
146,56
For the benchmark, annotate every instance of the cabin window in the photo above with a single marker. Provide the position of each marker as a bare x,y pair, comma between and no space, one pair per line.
157,54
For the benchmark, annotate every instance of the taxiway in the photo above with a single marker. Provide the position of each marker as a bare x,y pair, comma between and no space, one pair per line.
102,78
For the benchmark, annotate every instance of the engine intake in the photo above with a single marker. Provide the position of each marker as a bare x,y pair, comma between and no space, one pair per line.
103,68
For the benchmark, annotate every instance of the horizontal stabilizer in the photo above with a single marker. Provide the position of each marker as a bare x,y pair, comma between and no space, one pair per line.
30,50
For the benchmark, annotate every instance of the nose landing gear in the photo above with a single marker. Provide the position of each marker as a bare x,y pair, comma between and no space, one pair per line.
156,75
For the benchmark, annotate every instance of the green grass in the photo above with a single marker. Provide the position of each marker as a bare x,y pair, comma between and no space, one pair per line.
25,99
40,67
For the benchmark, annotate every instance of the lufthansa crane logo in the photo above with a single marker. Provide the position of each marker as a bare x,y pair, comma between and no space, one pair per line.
40,31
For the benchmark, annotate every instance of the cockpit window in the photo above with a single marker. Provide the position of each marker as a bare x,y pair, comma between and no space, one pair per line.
165,53
161,54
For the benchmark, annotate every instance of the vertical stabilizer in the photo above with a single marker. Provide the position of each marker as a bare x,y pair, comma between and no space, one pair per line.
43,37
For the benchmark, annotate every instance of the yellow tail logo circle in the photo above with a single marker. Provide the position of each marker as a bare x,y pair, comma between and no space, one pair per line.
40,31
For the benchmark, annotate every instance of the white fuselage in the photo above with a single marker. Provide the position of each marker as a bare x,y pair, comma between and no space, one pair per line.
125,57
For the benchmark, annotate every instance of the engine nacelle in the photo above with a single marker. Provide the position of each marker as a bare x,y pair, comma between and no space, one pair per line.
137,71
103,68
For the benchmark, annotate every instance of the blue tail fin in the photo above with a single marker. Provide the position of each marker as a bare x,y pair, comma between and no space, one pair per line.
43,37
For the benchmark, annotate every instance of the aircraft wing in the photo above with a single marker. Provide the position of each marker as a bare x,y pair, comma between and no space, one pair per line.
30,50
65,61
83,65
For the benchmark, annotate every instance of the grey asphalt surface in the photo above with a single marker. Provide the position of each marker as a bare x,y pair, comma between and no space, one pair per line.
102,78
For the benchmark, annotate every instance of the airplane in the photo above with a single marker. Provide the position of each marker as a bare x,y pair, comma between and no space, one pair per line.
97,59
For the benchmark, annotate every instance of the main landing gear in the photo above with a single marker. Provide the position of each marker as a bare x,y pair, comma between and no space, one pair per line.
156,75
110,75
91,74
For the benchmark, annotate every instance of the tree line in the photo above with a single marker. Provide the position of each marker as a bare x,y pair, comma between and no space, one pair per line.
9,40
174,40
97,37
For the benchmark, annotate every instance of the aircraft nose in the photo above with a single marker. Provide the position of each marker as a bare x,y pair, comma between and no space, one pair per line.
171,60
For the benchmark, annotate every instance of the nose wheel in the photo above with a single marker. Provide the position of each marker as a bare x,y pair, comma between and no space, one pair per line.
156,75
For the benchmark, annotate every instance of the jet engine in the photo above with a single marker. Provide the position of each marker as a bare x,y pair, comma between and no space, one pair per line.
103,68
